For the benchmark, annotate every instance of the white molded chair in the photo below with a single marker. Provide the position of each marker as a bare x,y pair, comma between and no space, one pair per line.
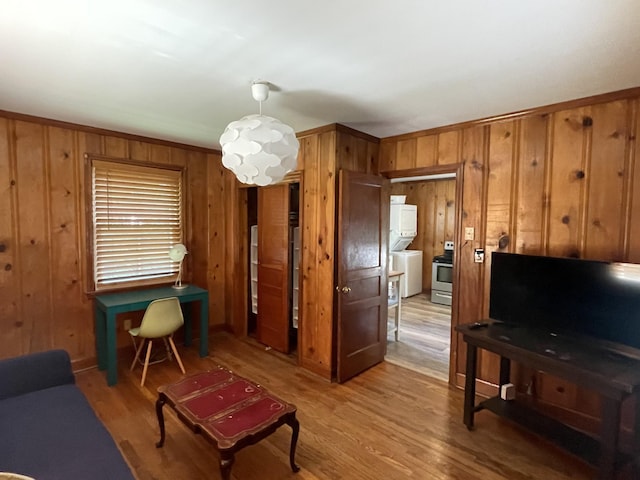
161,319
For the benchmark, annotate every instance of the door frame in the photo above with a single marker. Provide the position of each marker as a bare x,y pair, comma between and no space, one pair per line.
458,170
241,231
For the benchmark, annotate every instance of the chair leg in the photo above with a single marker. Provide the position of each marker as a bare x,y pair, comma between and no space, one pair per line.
168,347
175,352
138,351
146,363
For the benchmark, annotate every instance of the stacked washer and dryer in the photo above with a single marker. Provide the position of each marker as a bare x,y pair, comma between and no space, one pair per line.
403,224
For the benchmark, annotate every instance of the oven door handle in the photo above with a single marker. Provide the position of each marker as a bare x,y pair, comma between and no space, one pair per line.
445,295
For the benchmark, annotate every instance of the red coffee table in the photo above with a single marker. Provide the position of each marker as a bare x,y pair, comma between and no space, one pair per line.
230,411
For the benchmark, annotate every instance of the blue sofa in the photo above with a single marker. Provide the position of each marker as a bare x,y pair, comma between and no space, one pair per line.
48,430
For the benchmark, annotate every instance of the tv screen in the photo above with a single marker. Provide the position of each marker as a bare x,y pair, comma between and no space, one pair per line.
567,295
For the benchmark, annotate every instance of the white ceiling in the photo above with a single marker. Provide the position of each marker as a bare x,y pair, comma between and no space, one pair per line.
182,70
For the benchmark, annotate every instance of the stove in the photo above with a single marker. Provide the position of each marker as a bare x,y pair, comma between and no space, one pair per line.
442,276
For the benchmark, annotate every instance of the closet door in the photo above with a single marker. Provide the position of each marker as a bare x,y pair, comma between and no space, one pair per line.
273,267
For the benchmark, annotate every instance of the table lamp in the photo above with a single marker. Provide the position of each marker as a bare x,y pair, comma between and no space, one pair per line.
177,253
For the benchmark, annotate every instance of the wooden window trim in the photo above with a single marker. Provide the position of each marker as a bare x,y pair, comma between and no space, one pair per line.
132,166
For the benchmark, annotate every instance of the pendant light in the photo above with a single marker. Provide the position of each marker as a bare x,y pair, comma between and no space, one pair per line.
259,150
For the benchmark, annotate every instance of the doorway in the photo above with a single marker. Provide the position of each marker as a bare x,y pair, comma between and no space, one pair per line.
424,337
272,265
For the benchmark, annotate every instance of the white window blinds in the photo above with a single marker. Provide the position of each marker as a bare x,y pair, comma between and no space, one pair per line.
137,217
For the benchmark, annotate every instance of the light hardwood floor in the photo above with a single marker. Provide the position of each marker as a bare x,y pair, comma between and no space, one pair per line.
387,423
425,337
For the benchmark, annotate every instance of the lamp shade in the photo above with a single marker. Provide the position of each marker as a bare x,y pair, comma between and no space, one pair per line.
259,150
177,252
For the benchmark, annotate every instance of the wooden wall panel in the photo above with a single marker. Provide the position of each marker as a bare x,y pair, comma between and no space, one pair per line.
116,147
498,217
43,231
66,279
633,218
567,189
139,150
387,159
198,239
531,195
604,232
10,301
426,146
469,286
354,152
419,152
34,262
216,239
449,147
316,327
406,154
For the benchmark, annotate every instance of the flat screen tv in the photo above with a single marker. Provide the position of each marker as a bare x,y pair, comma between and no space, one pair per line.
567,296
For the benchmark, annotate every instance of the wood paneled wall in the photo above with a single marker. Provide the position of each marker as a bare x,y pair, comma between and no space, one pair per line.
562,180
43,230
436,218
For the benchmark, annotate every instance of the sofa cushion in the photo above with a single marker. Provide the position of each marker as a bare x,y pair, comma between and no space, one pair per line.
54,434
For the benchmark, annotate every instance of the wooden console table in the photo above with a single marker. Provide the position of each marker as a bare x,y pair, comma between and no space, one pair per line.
614,375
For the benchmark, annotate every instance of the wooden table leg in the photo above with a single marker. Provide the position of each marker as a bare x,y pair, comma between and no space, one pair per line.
635,465
398,308
159,404
295,430
609,438
470,385
505,370
226,462
111,351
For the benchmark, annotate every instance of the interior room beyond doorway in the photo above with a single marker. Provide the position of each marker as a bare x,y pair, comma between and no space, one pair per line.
425,327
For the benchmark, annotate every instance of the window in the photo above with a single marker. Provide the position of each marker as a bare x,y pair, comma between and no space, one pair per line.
136,218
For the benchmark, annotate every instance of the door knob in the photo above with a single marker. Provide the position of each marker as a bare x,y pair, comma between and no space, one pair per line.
345,289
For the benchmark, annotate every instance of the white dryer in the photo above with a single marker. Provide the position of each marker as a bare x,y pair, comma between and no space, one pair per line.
410,263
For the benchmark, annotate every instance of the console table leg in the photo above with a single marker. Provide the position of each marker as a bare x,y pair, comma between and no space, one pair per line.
159,404
226,462
505,370
609,438
470,385
295,430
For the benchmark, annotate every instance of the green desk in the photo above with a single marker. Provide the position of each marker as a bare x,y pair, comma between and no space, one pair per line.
111,304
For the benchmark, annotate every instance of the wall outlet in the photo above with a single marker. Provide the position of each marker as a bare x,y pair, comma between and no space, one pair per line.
127,324
478,255
469,233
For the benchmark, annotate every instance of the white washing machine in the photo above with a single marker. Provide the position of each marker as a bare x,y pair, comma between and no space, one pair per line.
410,263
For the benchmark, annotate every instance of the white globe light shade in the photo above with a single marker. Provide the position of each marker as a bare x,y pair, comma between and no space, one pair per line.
259,150
177,252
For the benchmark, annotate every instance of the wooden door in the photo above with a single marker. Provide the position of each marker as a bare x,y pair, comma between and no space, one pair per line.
273,267
361,291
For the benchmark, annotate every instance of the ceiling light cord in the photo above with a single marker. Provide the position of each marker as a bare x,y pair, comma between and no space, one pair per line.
260,92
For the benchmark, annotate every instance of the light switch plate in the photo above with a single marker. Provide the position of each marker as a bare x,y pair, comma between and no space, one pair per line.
469,233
